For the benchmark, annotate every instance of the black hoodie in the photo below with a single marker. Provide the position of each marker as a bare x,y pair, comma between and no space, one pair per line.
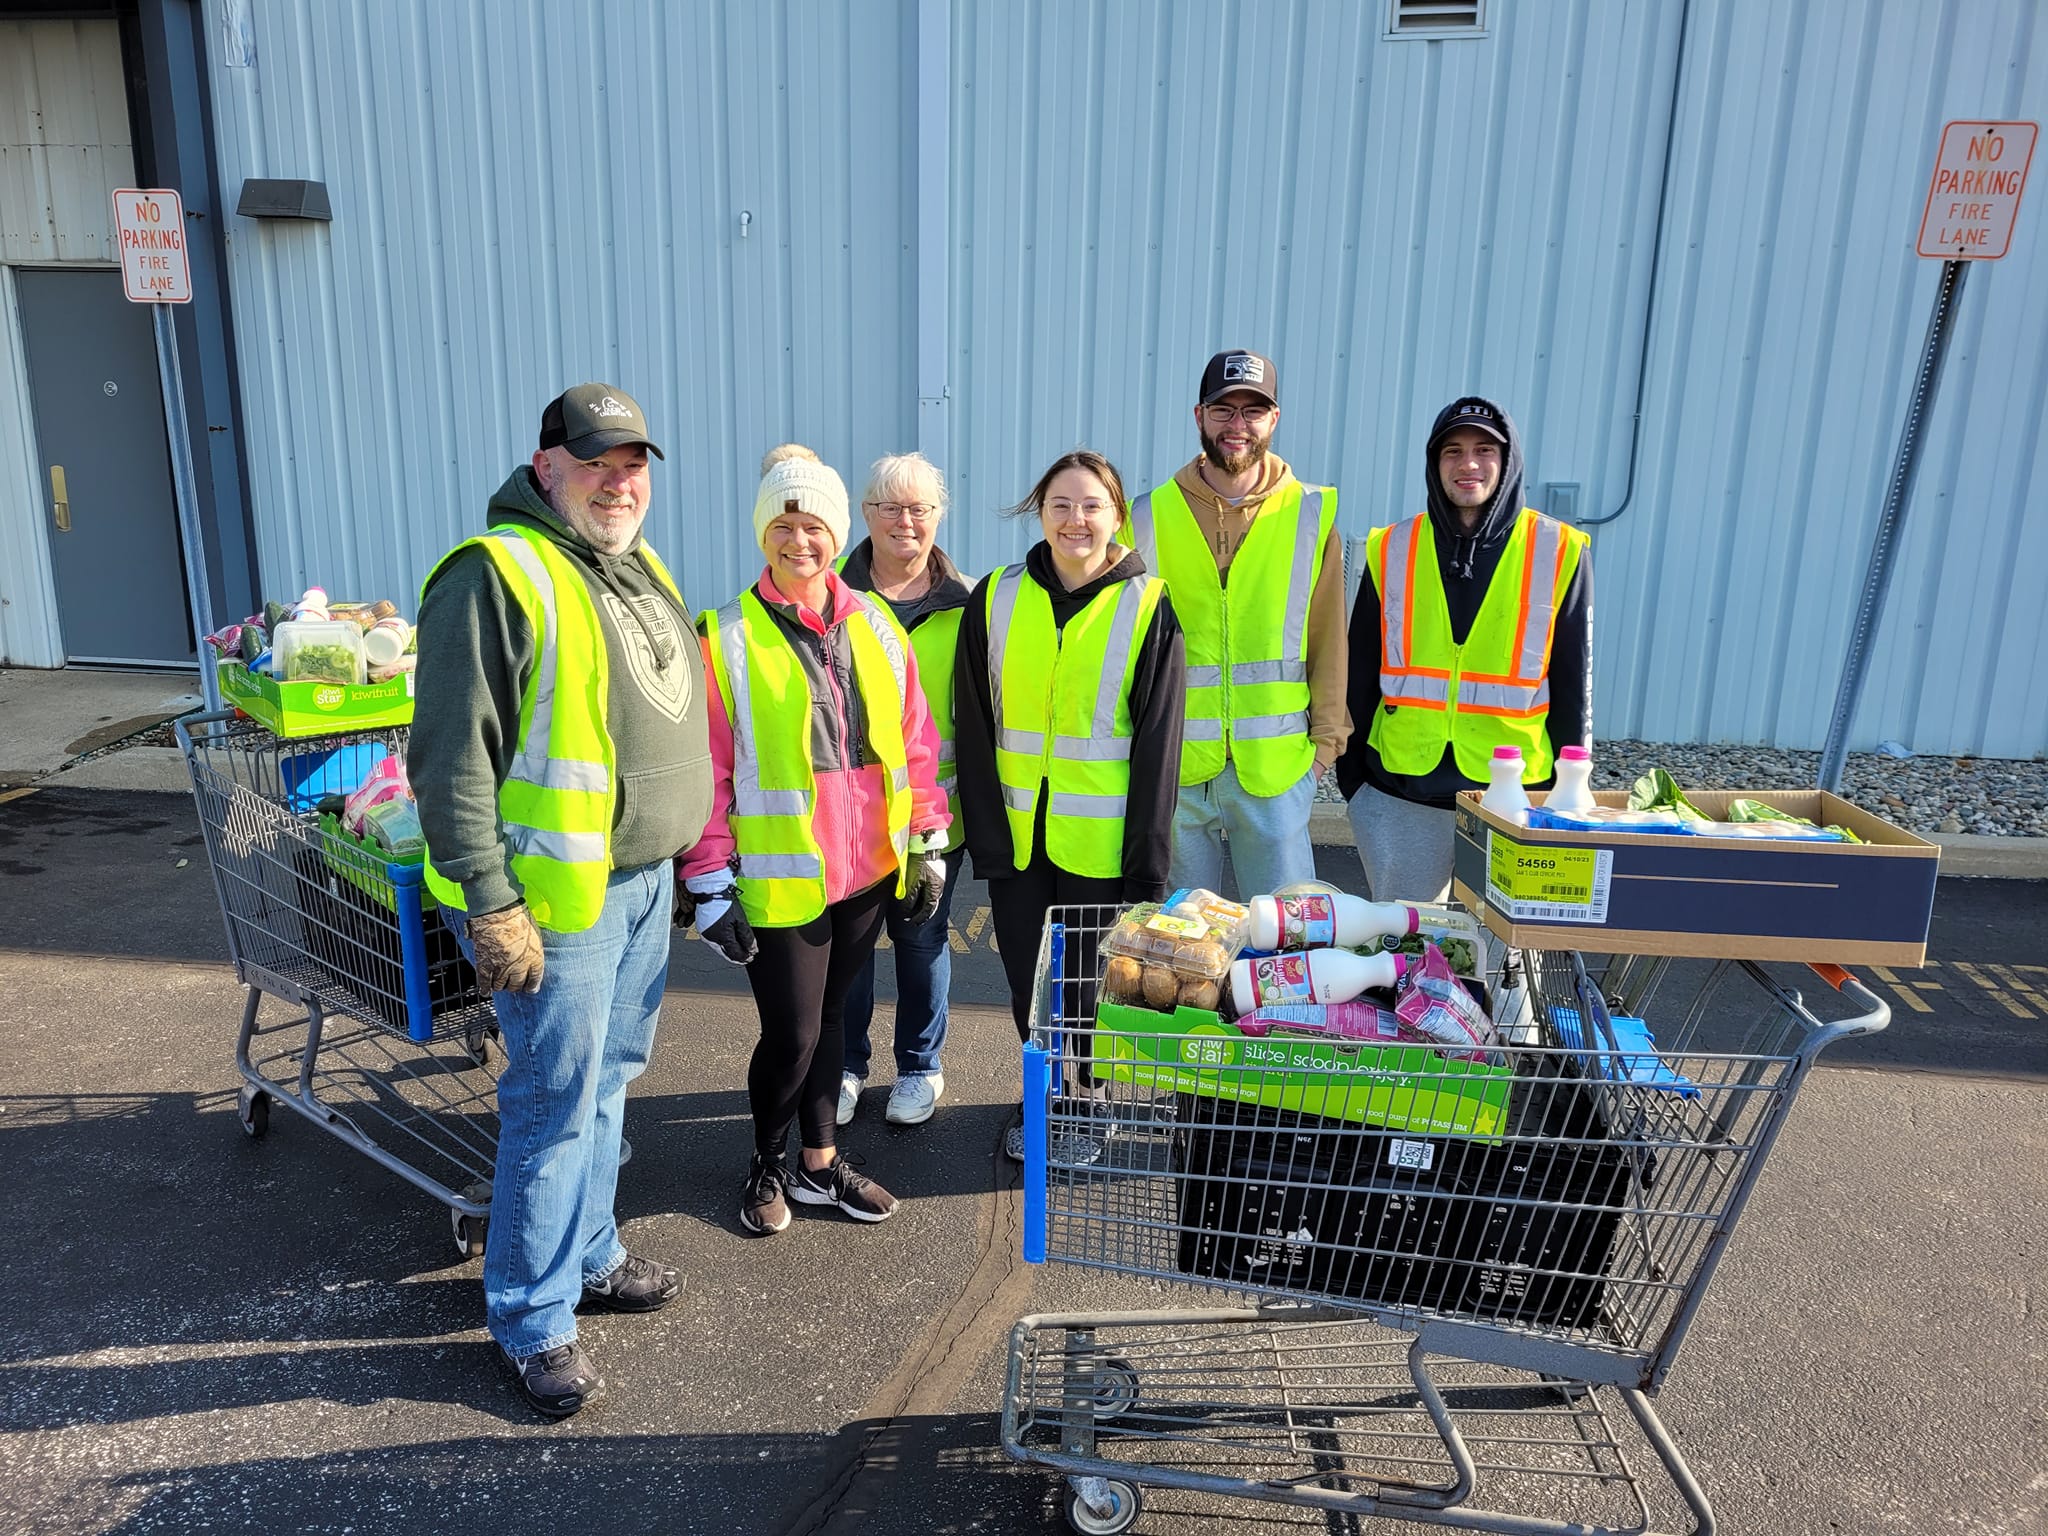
1468,562
1159,686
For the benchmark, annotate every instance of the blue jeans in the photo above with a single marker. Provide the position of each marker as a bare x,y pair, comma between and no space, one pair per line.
1269,844
924,975
570,1050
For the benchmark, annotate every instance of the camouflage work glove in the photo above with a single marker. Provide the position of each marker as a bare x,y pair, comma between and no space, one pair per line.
508,952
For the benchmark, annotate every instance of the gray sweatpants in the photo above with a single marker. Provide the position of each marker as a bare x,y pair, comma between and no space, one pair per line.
1405,847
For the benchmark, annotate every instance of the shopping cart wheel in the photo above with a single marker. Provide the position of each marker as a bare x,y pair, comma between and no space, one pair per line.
1102,1506
470,1232
476,1044
253,1110
1116,1388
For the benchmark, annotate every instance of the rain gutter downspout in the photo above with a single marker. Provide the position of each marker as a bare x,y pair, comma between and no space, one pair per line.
1635,437
934,228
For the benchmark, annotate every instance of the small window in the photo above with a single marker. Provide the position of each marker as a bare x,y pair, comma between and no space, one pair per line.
1436,18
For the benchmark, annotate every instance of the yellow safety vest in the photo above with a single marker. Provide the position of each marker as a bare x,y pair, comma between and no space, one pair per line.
1063,715
556,804
935,639
1247,642
1492,691
774,780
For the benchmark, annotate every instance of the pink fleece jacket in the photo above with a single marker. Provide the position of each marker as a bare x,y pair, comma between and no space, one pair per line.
849,813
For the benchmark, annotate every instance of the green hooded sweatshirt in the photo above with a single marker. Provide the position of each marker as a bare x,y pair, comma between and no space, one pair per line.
476,651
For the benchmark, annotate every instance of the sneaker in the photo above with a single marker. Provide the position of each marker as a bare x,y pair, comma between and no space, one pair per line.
1066,1145
762,1208
849,1097
634,1285
1013,1137
842,1185
556,1382
913,1099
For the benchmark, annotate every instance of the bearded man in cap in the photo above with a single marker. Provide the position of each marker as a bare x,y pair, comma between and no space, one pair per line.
561,760
1251,558
1472,630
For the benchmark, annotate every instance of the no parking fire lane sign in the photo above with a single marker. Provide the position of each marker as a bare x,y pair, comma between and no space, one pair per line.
150,226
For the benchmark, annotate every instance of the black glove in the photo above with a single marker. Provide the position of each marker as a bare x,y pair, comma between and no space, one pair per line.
686,903
728,932
920,900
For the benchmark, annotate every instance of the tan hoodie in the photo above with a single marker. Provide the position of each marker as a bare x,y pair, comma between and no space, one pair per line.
1224,526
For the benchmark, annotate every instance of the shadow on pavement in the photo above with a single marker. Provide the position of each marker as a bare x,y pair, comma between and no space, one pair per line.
939,1474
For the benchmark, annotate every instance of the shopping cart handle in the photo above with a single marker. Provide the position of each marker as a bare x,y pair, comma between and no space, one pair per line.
1876,1012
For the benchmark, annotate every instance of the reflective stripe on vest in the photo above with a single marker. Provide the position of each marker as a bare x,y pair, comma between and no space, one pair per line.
557,801
1062,713
935,639
774,780
1247,649
1494,690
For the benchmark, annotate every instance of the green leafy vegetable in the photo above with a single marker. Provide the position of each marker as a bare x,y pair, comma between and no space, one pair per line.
321,664
1658,791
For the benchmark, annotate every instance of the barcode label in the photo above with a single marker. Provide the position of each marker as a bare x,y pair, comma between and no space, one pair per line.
1532,883
1417,1155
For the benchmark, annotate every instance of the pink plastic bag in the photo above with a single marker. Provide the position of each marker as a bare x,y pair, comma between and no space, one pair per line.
1434,1006
387,781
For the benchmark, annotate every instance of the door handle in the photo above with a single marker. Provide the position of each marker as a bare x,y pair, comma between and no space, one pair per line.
60,498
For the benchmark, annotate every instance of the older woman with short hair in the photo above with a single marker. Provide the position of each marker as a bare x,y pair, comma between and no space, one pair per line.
901,563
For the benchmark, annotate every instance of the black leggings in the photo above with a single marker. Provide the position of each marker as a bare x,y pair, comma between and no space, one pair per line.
800,979
1018,904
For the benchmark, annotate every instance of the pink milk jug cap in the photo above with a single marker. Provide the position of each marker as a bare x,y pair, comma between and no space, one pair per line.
1507,754
1574,754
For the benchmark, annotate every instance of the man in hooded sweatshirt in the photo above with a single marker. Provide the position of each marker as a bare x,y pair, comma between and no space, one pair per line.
1252,559
561,759
1474,630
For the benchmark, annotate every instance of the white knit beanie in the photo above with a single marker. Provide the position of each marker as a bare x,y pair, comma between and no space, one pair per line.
815,488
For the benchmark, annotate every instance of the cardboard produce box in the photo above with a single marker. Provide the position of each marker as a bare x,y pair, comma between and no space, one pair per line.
1636,893
317,709
1412,1087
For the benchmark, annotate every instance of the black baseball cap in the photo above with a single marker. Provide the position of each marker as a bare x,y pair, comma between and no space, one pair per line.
590,418
1236,370
1473,413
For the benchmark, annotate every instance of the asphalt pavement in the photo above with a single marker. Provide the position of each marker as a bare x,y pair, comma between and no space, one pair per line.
207,1332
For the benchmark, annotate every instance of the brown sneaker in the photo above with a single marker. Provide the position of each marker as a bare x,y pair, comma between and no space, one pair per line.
762,1208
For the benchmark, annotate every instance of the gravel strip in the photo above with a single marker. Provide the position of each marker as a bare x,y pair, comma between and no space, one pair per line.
1992,796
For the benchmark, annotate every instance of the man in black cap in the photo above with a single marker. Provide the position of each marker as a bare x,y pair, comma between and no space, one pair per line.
1473,630
1251,557
561,759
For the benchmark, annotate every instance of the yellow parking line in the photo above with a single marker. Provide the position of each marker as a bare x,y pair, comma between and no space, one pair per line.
2020,985
1911,999
15,794
977,922
2012,1005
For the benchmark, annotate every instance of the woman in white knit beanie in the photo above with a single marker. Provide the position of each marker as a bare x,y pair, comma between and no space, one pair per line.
826,807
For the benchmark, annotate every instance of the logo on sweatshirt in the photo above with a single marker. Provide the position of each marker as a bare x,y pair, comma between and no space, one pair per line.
648,631
609,406
1244,368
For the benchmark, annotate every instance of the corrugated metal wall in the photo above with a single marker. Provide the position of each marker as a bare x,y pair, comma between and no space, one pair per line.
64,140
527,194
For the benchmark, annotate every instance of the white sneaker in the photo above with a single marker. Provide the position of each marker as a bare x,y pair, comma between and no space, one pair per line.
913,1099
849,1097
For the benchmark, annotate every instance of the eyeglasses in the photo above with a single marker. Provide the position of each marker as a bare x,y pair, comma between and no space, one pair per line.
1089,508
919,512
1250,415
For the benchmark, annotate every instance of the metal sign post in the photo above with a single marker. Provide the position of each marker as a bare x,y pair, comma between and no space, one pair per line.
1973,200
156,270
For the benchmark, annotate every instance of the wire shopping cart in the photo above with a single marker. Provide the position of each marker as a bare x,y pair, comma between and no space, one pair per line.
1460,1277
389,1048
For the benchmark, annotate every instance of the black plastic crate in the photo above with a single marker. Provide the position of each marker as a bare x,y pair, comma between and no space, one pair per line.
1514,1231
1295,1202
356,941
